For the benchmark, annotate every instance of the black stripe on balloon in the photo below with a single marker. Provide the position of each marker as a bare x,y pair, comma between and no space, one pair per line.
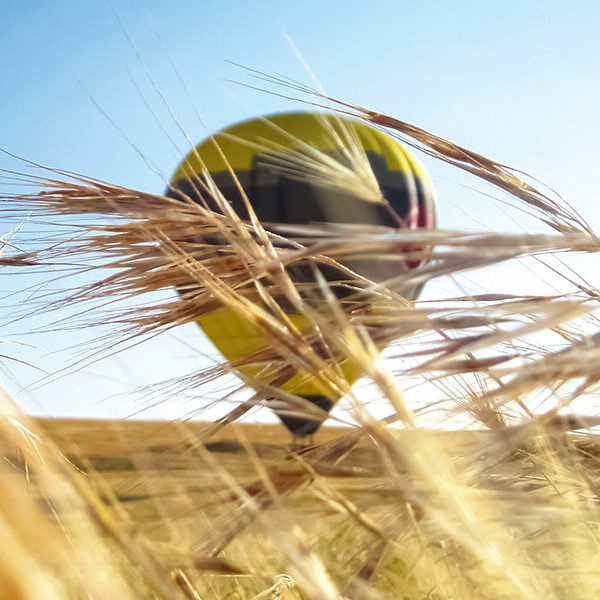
278,198
303,426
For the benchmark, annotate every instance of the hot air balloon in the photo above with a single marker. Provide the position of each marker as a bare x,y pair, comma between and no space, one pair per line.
301,170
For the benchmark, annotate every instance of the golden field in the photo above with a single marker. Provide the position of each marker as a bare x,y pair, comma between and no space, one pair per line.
225,518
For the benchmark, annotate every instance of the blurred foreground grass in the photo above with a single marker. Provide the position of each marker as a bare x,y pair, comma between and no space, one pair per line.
231,515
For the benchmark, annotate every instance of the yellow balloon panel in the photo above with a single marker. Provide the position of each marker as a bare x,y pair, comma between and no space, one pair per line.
236,146
238,338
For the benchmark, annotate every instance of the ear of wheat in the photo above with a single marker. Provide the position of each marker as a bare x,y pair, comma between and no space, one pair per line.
508,511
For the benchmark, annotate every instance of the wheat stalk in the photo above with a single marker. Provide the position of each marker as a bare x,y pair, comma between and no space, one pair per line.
510,511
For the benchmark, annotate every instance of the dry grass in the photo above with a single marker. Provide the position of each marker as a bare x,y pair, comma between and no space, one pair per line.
386,509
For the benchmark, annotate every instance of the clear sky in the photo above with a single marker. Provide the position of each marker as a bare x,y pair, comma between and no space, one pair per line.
516,81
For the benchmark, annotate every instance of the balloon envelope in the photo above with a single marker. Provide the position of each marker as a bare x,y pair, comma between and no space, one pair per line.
305,169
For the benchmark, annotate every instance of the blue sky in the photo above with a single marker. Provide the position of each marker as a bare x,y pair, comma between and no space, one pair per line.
516,81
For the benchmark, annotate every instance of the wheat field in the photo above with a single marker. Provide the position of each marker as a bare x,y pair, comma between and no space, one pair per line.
504,506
